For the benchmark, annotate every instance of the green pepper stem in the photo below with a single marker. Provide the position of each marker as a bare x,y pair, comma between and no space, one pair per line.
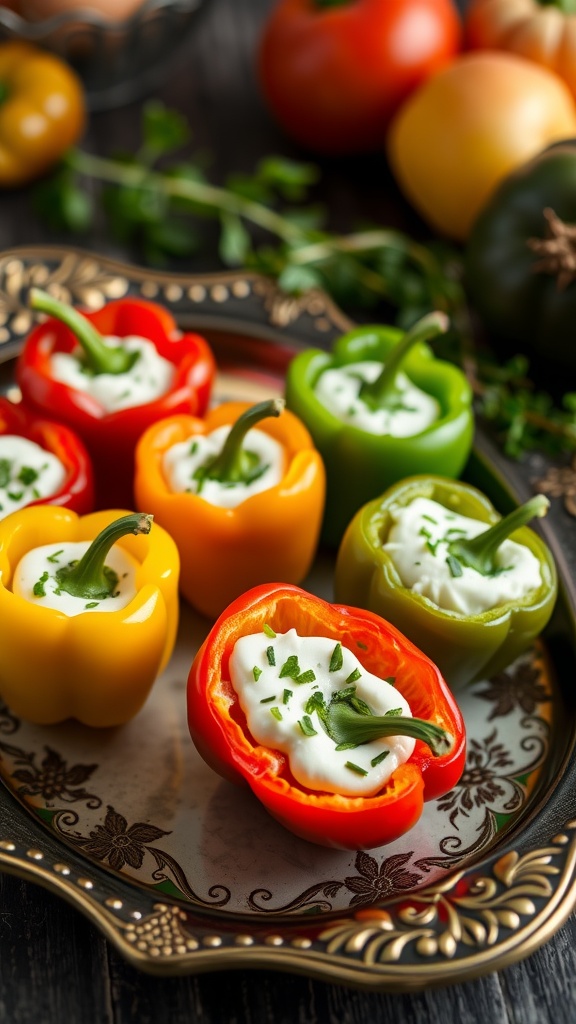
381,391
100,358
479,552
233,464
566,6
90,578
346,725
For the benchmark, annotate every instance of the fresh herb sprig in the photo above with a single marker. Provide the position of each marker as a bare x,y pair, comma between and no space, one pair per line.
268,223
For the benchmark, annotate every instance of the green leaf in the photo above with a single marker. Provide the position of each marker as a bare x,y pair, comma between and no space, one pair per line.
290,178
235,241
298,279
163,130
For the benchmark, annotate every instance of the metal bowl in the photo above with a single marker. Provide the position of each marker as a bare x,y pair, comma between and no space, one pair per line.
118,61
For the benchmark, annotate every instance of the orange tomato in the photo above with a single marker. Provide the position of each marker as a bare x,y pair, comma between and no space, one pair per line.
544,34
468,127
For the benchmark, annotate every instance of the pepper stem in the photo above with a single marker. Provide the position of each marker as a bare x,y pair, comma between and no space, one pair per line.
234,464
346,725
100,358
90,578
381,392
479,552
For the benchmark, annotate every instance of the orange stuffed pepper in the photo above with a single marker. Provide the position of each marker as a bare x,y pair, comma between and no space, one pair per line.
242,494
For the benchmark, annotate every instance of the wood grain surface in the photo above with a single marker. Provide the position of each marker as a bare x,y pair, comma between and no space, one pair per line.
54,965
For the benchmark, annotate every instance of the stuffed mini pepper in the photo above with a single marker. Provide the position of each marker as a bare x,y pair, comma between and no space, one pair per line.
339,725
380,408
88,613
241,492
470,588
108,375
41,463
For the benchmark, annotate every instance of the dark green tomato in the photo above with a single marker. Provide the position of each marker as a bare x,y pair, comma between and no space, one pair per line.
520,260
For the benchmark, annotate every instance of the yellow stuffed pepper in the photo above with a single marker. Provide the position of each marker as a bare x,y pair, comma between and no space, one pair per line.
88,613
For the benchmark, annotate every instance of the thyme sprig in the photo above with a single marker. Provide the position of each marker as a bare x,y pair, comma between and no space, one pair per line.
269,223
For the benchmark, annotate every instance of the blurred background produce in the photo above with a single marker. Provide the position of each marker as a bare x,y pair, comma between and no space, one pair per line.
149,183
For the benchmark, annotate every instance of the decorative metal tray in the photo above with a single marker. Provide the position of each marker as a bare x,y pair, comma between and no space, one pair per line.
184,872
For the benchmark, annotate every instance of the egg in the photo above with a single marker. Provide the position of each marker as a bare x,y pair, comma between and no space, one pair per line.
109,10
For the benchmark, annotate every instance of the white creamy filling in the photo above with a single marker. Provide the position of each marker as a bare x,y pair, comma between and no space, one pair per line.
279,710
339,391
35,578
27,472
182,465
418,545
149,378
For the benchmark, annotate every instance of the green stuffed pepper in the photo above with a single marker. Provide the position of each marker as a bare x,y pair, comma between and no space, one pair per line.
468,587
379,408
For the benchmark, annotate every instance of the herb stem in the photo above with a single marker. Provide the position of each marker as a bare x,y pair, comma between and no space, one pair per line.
210,196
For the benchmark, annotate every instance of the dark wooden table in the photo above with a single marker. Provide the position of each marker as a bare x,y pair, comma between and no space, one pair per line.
54,965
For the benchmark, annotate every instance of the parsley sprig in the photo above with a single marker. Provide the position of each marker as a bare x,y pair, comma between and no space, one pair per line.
268,222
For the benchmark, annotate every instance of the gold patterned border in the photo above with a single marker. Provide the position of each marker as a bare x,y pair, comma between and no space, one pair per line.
456,929
82,278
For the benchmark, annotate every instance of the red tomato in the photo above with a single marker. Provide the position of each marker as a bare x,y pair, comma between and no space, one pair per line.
335,71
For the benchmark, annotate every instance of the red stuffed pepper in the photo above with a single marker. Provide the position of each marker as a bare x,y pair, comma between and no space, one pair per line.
41,463
108,375
345,687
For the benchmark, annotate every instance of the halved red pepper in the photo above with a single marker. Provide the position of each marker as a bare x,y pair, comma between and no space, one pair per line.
110,437
219,729
77,490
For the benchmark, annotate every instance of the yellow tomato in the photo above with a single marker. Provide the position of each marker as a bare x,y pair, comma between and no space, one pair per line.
468,127
42,111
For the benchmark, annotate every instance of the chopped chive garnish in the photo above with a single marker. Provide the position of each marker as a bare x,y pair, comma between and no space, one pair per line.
286,696
346,746
336,659
5,472
394,712
268,700
306,726
315,703
360,706
430,519
39,589
379,758
193,448
15,495
391,680
290,667
277,713
345,694
354,676
269,631
270,655
27,475
355,768
54,557
256,672
454,566
305,677
363,647
92,604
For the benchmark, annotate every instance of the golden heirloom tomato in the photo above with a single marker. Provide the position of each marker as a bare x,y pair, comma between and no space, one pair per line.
468,127
42,111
